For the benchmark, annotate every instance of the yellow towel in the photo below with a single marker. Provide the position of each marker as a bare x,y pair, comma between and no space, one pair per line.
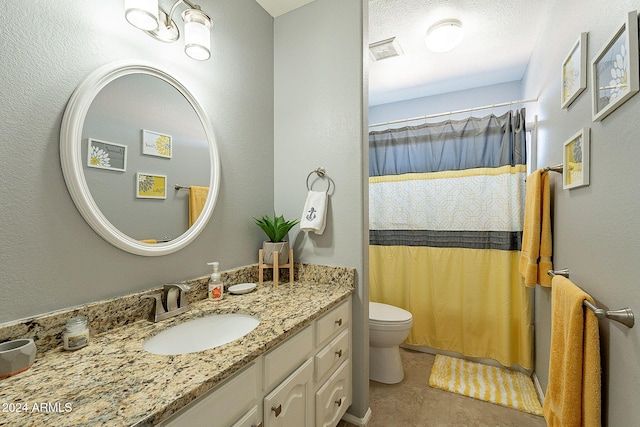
573,394
535,258
149,241
197,198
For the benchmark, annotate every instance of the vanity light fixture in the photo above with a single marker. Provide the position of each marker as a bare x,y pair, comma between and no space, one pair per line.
147,16
444,35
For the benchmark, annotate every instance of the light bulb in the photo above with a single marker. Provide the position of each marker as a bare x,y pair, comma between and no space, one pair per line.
197,34
142,14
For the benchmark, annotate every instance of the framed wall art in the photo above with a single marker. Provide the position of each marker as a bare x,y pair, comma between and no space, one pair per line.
151,186
106,155
574,72
575,160
614,69
156,144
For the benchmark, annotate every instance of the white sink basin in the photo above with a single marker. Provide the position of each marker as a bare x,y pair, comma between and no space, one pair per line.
201,334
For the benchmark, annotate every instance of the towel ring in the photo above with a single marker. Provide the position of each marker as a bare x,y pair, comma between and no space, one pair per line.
322,173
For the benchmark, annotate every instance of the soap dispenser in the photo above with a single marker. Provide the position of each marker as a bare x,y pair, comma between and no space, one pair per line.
216,288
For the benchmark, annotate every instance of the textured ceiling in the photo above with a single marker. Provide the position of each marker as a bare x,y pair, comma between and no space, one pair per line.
499,38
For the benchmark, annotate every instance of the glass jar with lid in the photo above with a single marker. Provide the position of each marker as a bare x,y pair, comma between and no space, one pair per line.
76,334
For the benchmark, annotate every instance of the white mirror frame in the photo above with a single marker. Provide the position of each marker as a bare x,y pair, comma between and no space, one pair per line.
72,162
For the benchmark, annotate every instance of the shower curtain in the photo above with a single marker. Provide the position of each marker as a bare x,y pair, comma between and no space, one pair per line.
446,208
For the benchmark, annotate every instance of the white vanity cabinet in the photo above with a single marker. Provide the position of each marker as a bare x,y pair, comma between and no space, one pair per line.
305,381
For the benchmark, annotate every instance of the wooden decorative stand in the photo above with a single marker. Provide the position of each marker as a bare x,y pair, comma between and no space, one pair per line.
275,266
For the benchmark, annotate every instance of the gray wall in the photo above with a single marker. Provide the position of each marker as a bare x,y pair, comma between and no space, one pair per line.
452,101
595,228
49,257
319,121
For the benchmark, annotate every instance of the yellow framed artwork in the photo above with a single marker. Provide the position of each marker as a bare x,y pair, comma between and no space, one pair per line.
157,144
151,186
575,160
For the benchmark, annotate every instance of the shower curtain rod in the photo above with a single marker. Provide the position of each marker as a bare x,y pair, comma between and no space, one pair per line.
466,110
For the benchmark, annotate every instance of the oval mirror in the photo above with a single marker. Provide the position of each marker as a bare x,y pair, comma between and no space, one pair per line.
139,158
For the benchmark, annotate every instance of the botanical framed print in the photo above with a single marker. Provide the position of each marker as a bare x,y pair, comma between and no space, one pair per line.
106,155
151,186
614,69
574,72
575,160
156,144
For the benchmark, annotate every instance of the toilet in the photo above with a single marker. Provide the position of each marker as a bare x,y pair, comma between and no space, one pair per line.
389,326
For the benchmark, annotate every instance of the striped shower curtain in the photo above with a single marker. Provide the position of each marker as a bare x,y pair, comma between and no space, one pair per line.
446,207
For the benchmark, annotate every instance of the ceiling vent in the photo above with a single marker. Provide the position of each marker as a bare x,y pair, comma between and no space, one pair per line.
385,49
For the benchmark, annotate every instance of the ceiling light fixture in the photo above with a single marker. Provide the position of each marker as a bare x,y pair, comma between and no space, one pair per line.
147,16
444,35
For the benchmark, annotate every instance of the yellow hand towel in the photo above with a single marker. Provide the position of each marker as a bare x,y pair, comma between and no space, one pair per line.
535,257
149,241
573,394
197,199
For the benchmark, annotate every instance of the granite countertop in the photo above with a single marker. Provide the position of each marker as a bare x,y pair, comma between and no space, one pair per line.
114,382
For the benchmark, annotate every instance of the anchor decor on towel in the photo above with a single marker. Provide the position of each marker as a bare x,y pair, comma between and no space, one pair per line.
312,214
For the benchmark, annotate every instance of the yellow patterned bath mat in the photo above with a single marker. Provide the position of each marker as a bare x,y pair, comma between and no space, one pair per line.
491,384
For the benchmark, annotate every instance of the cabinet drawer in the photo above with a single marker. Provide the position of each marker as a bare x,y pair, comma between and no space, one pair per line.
333,322
225,404
334,397
282,360
332,355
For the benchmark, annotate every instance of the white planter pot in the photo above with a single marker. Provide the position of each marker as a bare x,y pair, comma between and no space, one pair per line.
268,248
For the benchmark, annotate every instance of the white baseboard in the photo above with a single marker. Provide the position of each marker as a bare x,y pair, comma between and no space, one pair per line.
358,421
538,387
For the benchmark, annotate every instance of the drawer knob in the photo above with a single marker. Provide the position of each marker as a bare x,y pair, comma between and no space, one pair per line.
339,402
339,353
339,322
277,410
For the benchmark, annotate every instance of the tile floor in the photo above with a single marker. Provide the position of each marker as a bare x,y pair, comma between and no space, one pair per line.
412,403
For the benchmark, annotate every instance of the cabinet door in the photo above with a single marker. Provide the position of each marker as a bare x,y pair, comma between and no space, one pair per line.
334,397
291,403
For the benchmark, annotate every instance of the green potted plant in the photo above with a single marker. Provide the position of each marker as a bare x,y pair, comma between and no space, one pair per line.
276,229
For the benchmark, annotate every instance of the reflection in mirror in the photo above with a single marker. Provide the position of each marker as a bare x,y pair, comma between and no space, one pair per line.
130,134
144,125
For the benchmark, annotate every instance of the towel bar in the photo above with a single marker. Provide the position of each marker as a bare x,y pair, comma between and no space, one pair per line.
557,168
322,173
623,315
180,187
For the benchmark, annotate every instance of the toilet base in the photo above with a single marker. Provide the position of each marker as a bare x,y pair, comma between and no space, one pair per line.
385,365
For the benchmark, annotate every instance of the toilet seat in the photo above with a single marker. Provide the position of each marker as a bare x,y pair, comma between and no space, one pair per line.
385,316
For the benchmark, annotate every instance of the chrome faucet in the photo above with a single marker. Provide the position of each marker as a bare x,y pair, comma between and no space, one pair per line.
175,302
